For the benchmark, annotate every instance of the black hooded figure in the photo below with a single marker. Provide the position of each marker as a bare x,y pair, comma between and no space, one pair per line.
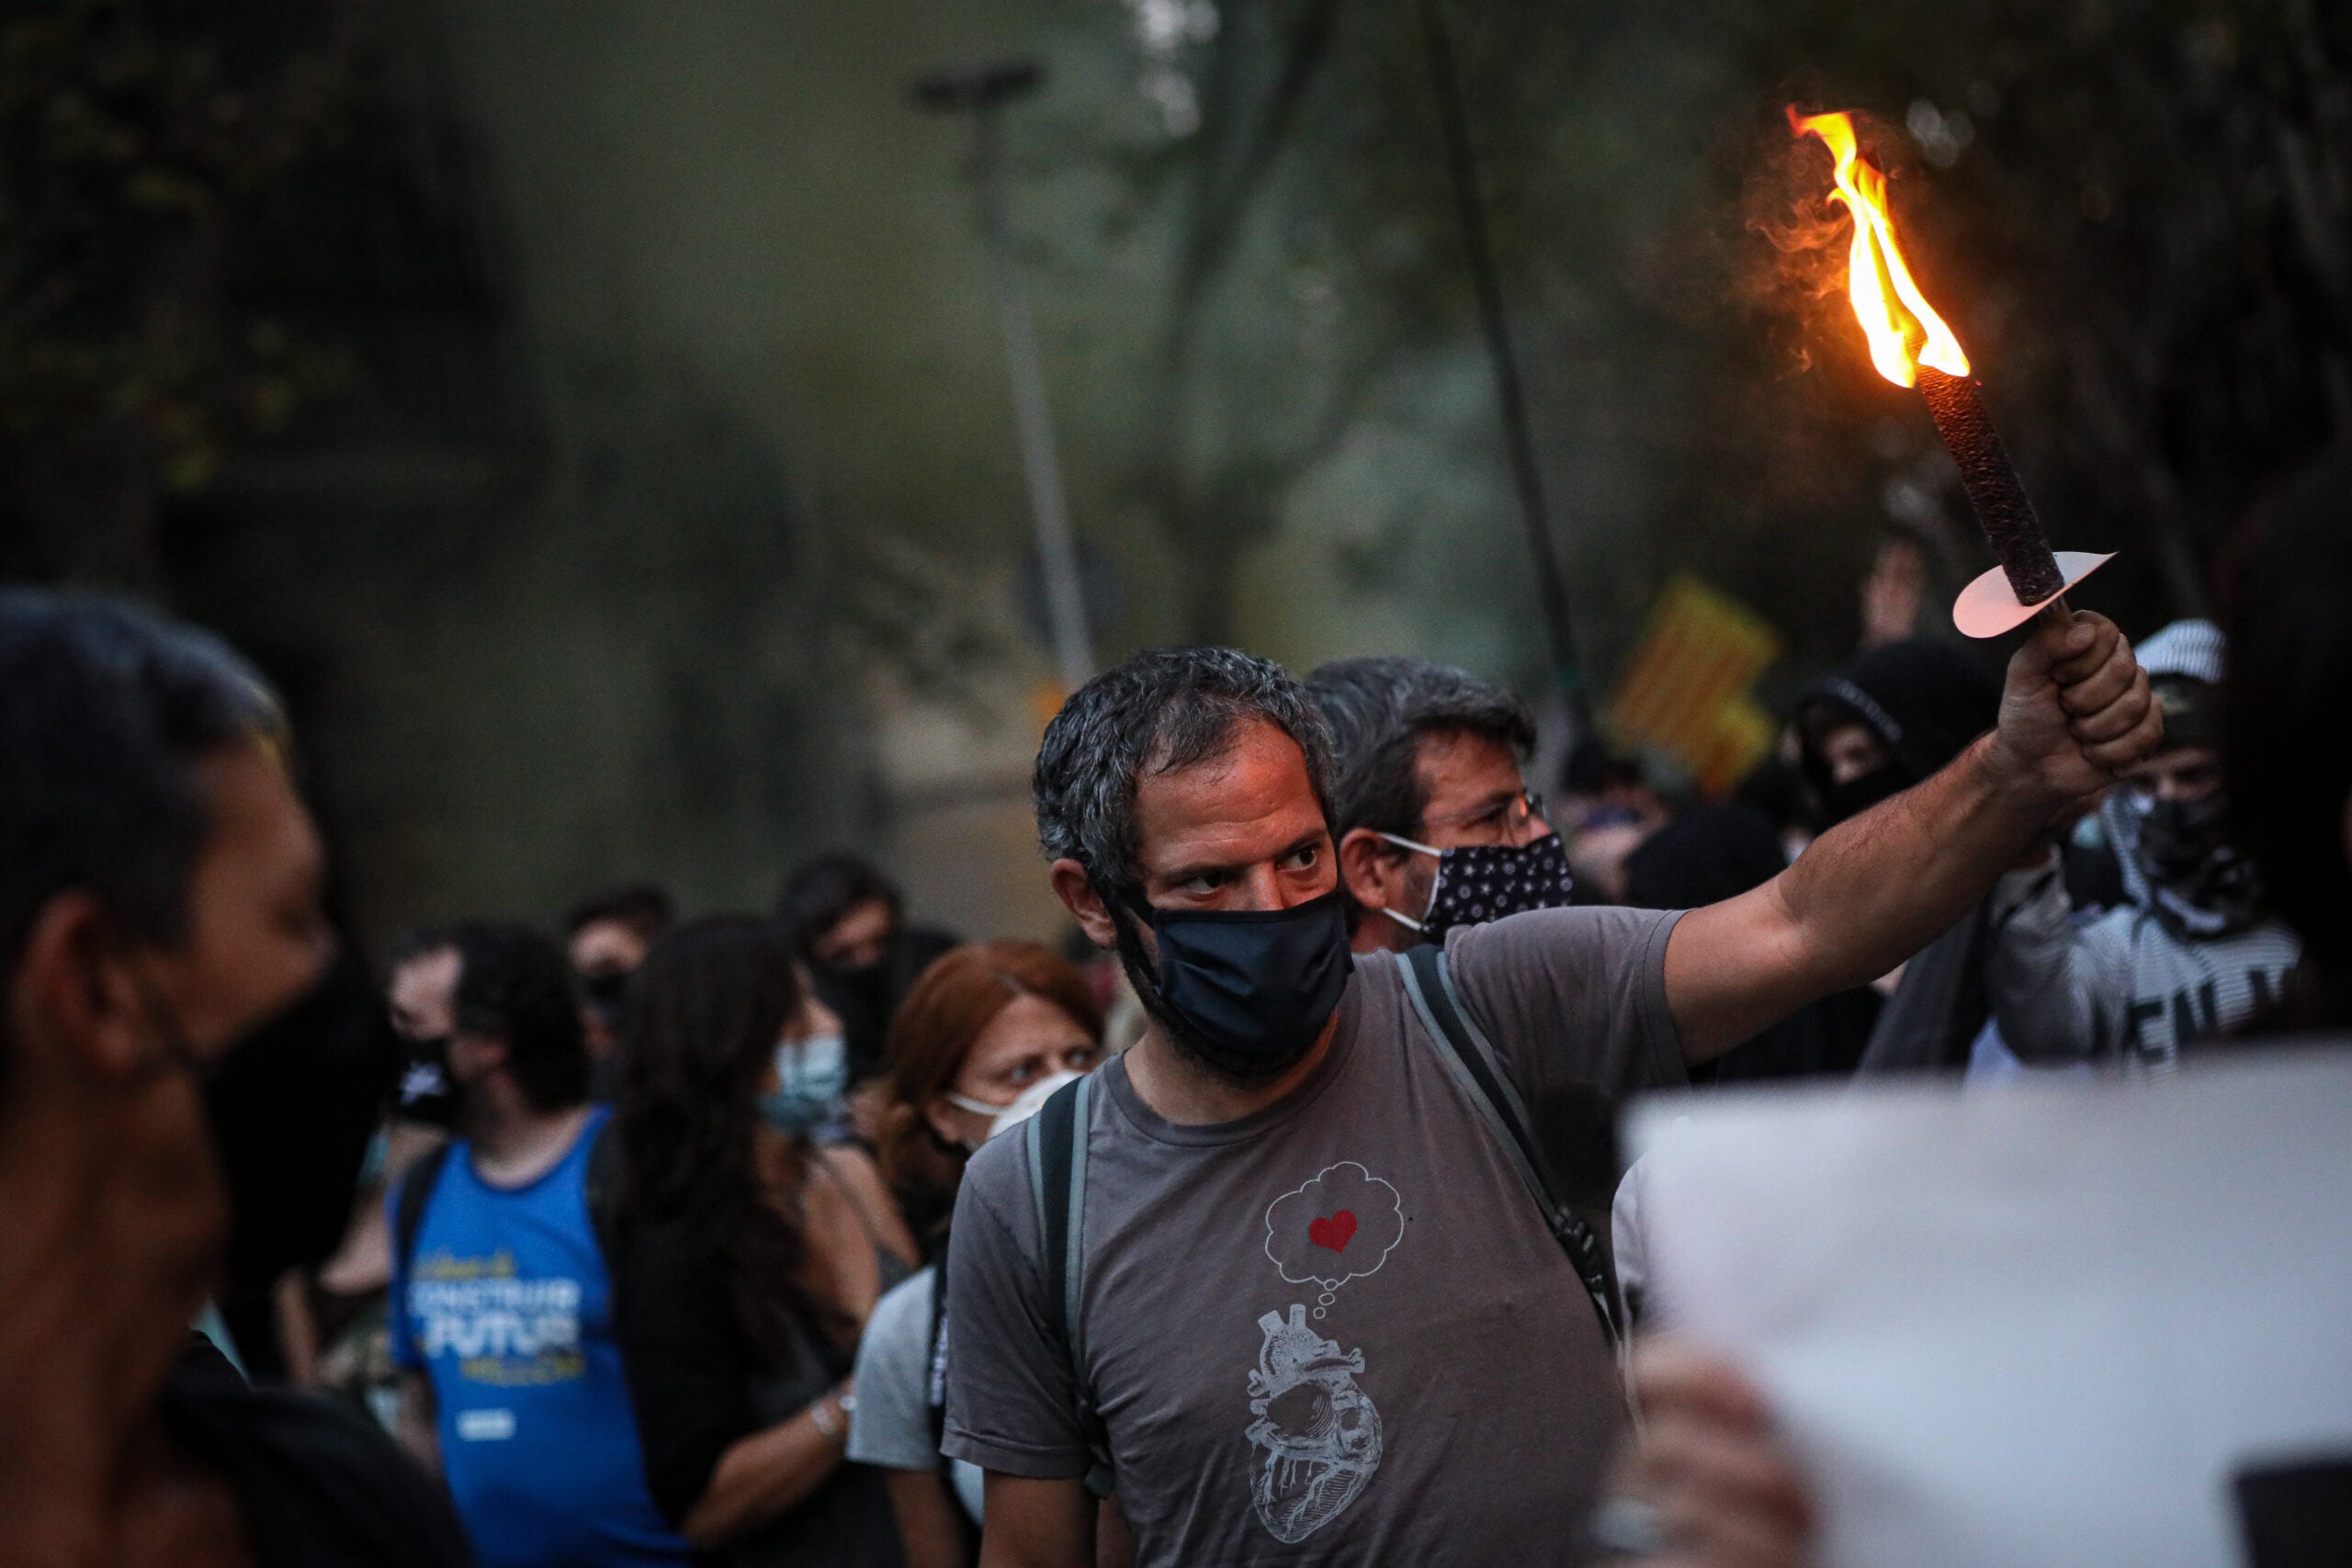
1714,852
1923,702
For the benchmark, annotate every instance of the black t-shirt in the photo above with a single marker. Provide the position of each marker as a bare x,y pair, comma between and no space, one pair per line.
320,1482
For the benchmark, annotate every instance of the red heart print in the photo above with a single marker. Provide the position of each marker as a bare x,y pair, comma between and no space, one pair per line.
1335,1233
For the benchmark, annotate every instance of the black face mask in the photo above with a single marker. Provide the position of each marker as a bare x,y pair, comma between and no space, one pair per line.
2178,837
1246,990
426,1089
292,1106
1859,795
603,990
2203,885
863,986
1476,883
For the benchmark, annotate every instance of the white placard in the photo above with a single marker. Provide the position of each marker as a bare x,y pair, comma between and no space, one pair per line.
2037,1326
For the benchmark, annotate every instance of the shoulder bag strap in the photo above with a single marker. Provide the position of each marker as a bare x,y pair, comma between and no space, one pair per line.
408,1209
1471,1060
408,1219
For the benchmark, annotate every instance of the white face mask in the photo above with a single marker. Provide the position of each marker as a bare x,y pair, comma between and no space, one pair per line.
1003,1118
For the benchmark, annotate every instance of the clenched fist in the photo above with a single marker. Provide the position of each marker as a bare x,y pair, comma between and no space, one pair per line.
2076,710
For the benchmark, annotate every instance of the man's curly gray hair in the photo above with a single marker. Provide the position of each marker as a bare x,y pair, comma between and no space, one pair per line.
1162,710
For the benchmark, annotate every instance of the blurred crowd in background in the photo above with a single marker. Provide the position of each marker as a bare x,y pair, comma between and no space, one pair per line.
644,1257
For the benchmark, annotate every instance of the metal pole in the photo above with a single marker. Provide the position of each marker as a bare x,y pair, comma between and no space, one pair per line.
980,92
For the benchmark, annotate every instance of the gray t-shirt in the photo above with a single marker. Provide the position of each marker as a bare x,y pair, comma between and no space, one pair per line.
1336,1331
892,1425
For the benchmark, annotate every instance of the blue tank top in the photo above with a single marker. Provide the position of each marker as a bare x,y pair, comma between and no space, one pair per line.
508,1311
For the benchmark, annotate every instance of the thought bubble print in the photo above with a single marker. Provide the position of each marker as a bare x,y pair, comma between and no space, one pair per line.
1337,1227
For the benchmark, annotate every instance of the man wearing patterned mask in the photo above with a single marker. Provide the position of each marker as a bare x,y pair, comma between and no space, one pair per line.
1436,826
2193,954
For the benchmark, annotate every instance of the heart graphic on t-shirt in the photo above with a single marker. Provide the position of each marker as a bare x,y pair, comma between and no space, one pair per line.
1334,1231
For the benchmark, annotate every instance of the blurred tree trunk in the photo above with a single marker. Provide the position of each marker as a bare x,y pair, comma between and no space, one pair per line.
1212,512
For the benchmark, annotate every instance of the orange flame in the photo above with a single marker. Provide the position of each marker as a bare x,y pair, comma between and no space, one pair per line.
1904,330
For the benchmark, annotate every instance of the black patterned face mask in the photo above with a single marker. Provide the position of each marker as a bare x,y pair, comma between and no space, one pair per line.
1476,883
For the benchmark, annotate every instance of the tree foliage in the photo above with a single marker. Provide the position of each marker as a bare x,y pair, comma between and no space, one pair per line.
137,141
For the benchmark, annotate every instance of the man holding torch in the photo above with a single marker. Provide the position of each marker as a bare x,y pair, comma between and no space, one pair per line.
1288,1275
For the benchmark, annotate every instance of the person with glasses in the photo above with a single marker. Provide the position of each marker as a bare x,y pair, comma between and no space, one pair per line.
1435,825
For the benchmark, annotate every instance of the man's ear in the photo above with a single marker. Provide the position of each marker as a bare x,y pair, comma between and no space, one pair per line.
1085,906
73,993
1371,867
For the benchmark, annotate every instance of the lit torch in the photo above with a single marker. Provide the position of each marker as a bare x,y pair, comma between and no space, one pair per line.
1913,348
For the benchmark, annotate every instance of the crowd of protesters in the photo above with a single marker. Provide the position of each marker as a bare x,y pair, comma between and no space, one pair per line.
1279,1220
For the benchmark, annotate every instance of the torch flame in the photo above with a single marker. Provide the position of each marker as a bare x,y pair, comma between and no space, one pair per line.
1904,330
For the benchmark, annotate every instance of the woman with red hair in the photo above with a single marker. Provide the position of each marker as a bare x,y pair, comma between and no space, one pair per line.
987,1033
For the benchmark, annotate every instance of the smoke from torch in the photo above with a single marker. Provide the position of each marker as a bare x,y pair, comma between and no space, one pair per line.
1911,346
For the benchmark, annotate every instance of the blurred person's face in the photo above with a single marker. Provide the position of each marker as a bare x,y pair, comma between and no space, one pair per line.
425,995
1852,751
2184,773
153,1022
1028,1041
859,939
814,1019
425,1008
606,947
256,935
604,953
807,1074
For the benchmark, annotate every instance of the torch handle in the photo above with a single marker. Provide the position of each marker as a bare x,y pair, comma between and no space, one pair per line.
1995,493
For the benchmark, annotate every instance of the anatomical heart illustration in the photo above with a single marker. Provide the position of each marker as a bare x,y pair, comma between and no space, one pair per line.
1317,1432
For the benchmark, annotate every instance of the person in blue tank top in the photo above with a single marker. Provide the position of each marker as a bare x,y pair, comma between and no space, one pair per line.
503,1322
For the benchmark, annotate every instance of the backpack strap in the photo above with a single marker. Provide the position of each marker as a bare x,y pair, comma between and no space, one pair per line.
408,1217
1472,1061
602,1182
1057,1140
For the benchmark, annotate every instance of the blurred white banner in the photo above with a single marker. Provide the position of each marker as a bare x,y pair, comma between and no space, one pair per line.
2049,1325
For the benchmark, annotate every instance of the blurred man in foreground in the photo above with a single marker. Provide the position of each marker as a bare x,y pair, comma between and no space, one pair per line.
2287,749
188,1075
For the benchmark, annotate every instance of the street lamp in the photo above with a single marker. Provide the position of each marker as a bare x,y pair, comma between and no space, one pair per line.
980,91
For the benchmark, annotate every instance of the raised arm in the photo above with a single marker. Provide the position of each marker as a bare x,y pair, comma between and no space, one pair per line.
1872,891
2045,976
